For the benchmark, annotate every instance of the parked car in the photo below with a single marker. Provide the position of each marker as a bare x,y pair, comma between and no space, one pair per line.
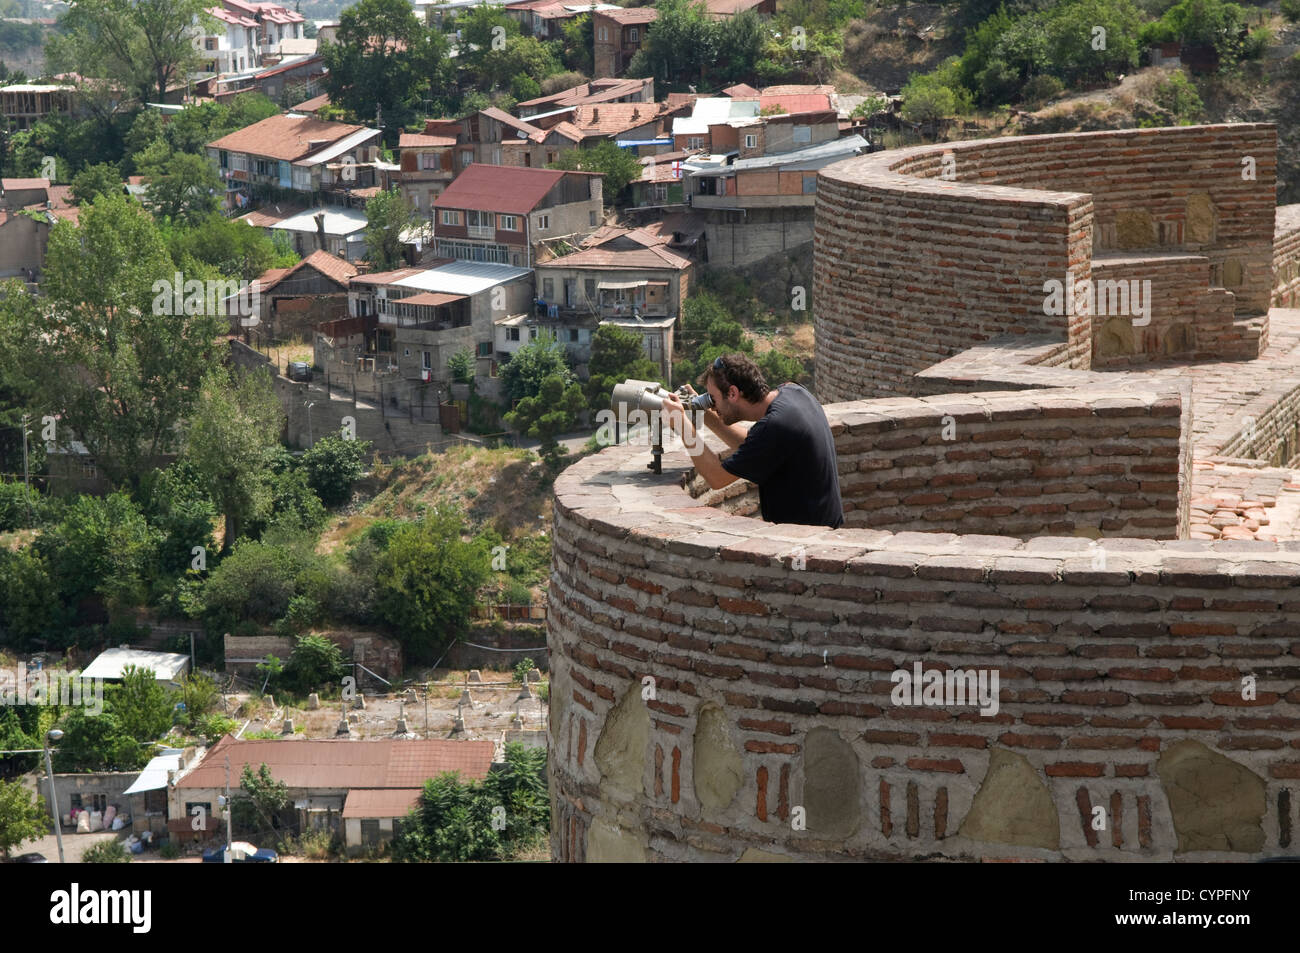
243,853
299,371
32,858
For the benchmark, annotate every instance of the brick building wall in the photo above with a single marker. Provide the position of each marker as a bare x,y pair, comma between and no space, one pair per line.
934,249
769,730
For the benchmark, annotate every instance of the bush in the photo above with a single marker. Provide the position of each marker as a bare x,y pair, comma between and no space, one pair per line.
562,81
20,507
522,669
1179,98
333,465
169,851
1291,10
215,726
107,852
315,662
1041,89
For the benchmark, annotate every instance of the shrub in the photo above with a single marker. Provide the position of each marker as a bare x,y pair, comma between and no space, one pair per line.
1041,89
333,465
20,507
1291,10
522,669
169,851
107,852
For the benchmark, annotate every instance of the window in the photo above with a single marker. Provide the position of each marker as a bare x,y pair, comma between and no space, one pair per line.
543,222
633,35
809,184
589,287
512,334
88,468
803,133
210,43
548,288
694,142
429,160
466,157
224,159
270,169
476,219
484,348
206,815
573,335
450,217
532,334
591,218
509,223
751,141
604,34
370,832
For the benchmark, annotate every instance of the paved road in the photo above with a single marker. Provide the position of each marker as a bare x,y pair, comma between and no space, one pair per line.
74,845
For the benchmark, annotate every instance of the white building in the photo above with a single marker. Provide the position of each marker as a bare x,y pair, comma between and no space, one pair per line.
246,33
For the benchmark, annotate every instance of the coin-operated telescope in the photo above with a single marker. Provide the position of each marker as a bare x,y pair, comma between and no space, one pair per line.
642,401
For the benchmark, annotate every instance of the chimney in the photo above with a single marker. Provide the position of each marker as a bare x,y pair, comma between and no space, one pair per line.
595,114
319,219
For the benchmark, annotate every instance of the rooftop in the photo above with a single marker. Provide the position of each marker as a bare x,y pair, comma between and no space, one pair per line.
111,663
304,763
288,137
498,188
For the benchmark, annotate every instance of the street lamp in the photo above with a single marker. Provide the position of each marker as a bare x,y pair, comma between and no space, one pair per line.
55,736
310,405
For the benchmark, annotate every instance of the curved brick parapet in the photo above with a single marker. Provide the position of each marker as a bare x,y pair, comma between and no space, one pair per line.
924,252
723,688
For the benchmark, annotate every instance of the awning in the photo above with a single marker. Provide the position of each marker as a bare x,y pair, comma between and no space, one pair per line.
429,298
621,285
154,776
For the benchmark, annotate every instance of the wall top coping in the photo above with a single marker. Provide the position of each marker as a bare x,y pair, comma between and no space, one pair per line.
887,169
613,494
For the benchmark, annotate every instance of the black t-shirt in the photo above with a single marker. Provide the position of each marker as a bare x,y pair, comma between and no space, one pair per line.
790,453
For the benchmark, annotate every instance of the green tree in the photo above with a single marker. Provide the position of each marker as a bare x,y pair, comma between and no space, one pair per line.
234,248
142,705
617,354
333,465
936,95
682,42
427,581
522,376
234,425
22,816
30,609
388,215
143,47
180,186
461,365
177,504
137,366
579,43
22,323
315,662
552,412
384,58
97,743
524,56
617,167
259,580
95,180
1212,23
265,797
102,547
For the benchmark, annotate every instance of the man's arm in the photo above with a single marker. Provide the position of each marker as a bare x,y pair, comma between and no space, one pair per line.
707,463
732,435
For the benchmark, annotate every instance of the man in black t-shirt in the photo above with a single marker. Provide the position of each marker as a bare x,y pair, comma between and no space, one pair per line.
789,451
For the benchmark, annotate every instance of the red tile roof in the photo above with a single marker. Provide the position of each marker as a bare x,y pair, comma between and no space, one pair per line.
726,8
629,16
609,119
388,277
654,257
313,104
286,137
795,102
269,215
594,92
740,91
24,184
388,763
419,140
333,267
500,188
390,802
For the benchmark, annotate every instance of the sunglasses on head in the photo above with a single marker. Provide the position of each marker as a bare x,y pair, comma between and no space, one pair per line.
717,366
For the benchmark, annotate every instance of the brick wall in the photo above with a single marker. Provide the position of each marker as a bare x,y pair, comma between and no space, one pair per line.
1286,257
1023,463
919,267
769,729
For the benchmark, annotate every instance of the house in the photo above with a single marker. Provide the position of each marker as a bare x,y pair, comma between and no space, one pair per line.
763,205
323,776
616,37
427,161
288,78
28,210
694,132
295,153
110,665
245,34
597,91
140,796
412,320
482,133
297,299
314,105
661,180
545,19
503,214
631,279
721,9
330,228
436,12
25,104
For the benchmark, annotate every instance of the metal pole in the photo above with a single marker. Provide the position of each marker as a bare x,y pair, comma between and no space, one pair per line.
27,481
229,813
54,800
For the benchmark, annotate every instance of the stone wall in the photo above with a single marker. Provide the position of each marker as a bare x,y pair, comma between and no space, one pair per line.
724,688
1286,257
927,251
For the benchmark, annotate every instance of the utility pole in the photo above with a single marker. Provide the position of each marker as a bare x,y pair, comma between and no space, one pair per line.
27,480
228,812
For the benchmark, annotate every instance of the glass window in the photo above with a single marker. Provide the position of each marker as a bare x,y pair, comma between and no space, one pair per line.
809,184
633,35
802,133
512,334
548,288
751,141
509,223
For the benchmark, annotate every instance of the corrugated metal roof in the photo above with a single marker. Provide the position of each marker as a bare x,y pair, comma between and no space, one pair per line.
499,188
380,803
338,220
463,277
154,775
821,152
109,664
385,763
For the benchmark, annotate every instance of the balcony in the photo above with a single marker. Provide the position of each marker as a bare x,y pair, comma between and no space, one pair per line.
481,231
